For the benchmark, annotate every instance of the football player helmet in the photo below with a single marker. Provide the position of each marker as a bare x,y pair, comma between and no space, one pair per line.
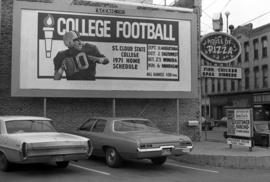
72,39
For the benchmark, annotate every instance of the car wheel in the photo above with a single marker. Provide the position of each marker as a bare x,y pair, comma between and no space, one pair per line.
4,163
113,159
159,160
62,164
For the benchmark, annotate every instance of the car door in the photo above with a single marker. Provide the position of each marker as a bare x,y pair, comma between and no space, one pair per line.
98,136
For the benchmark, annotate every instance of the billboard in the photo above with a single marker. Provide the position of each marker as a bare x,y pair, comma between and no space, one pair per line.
151,52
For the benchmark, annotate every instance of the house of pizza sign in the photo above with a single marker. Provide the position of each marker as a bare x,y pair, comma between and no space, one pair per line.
219,47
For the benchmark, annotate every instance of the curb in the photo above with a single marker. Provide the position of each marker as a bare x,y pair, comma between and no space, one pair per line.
238,162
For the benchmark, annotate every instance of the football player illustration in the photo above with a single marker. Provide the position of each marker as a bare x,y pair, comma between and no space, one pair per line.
79,60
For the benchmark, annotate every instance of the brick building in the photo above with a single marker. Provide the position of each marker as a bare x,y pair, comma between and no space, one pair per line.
253,89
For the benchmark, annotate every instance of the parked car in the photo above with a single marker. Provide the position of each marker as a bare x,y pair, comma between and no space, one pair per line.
261,134
29,139
207,124
120,139
221,123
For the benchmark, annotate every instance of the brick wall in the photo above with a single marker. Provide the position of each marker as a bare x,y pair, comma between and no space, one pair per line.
71,112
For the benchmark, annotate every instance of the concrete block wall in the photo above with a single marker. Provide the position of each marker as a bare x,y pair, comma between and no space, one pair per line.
69,113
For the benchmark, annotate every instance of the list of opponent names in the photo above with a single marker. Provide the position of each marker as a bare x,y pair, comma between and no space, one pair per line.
163,61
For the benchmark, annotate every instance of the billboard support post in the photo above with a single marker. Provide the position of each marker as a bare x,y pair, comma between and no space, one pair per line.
113,107
177,116
44,106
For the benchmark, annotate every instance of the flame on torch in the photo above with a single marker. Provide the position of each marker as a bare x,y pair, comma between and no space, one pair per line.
48,34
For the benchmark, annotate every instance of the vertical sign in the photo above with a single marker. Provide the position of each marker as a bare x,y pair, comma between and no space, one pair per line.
239,127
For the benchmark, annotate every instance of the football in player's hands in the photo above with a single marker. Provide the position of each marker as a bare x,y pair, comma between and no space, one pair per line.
105,61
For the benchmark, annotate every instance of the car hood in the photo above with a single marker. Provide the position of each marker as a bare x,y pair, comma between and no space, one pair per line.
46,137
149,137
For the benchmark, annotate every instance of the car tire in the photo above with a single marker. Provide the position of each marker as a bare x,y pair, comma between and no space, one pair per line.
5,165
112,157
62,164
159,160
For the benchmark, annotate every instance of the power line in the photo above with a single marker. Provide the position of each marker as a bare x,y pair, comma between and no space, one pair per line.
226,5
210,4
207,14
256,17
207,25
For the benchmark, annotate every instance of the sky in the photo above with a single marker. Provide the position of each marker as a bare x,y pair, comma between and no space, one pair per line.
241,12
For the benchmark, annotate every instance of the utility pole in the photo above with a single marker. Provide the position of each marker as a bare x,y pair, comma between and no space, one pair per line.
227,13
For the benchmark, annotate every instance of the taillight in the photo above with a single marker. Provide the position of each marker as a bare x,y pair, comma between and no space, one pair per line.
24,150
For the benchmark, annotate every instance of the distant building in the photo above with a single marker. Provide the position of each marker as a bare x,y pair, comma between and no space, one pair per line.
253,90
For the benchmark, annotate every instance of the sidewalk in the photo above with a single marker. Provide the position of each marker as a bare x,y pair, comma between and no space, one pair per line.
219,154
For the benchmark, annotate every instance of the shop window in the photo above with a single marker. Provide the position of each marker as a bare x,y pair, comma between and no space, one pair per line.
264,47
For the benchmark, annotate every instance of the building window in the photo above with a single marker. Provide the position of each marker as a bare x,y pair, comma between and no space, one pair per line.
256,77
239,85
218,85
213,85
239,59
265,76
225,85
206,86
246,72
256,49
264,47
246,49
232,85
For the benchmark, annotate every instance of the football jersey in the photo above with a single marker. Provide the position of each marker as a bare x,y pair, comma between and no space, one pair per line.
79,66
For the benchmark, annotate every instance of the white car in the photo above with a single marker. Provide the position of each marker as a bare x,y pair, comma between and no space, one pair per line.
29,139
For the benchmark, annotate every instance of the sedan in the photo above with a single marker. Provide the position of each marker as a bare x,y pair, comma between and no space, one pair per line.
121,139
29,139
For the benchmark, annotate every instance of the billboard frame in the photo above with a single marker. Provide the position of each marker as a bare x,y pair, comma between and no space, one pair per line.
17,91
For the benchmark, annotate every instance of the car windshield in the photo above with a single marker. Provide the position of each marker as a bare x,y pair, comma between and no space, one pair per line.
134,125
26,126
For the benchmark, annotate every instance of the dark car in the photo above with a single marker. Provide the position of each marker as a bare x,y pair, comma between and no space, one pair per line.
132,138
261,134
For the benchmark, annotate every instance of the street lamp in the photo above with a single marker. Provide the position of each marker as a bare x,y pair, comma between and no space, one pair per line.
227,13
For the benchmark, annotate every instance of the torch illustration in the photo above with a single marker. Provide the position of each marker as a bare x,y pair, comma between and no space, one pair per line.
48,33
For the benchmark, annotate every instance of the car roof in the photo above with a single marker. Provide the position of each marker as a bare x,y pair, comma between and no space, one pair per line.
118,118
18,117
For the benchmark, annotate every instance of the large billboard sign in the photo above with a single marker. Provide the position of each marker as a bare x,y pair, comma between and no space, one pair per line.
151,52
219,47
